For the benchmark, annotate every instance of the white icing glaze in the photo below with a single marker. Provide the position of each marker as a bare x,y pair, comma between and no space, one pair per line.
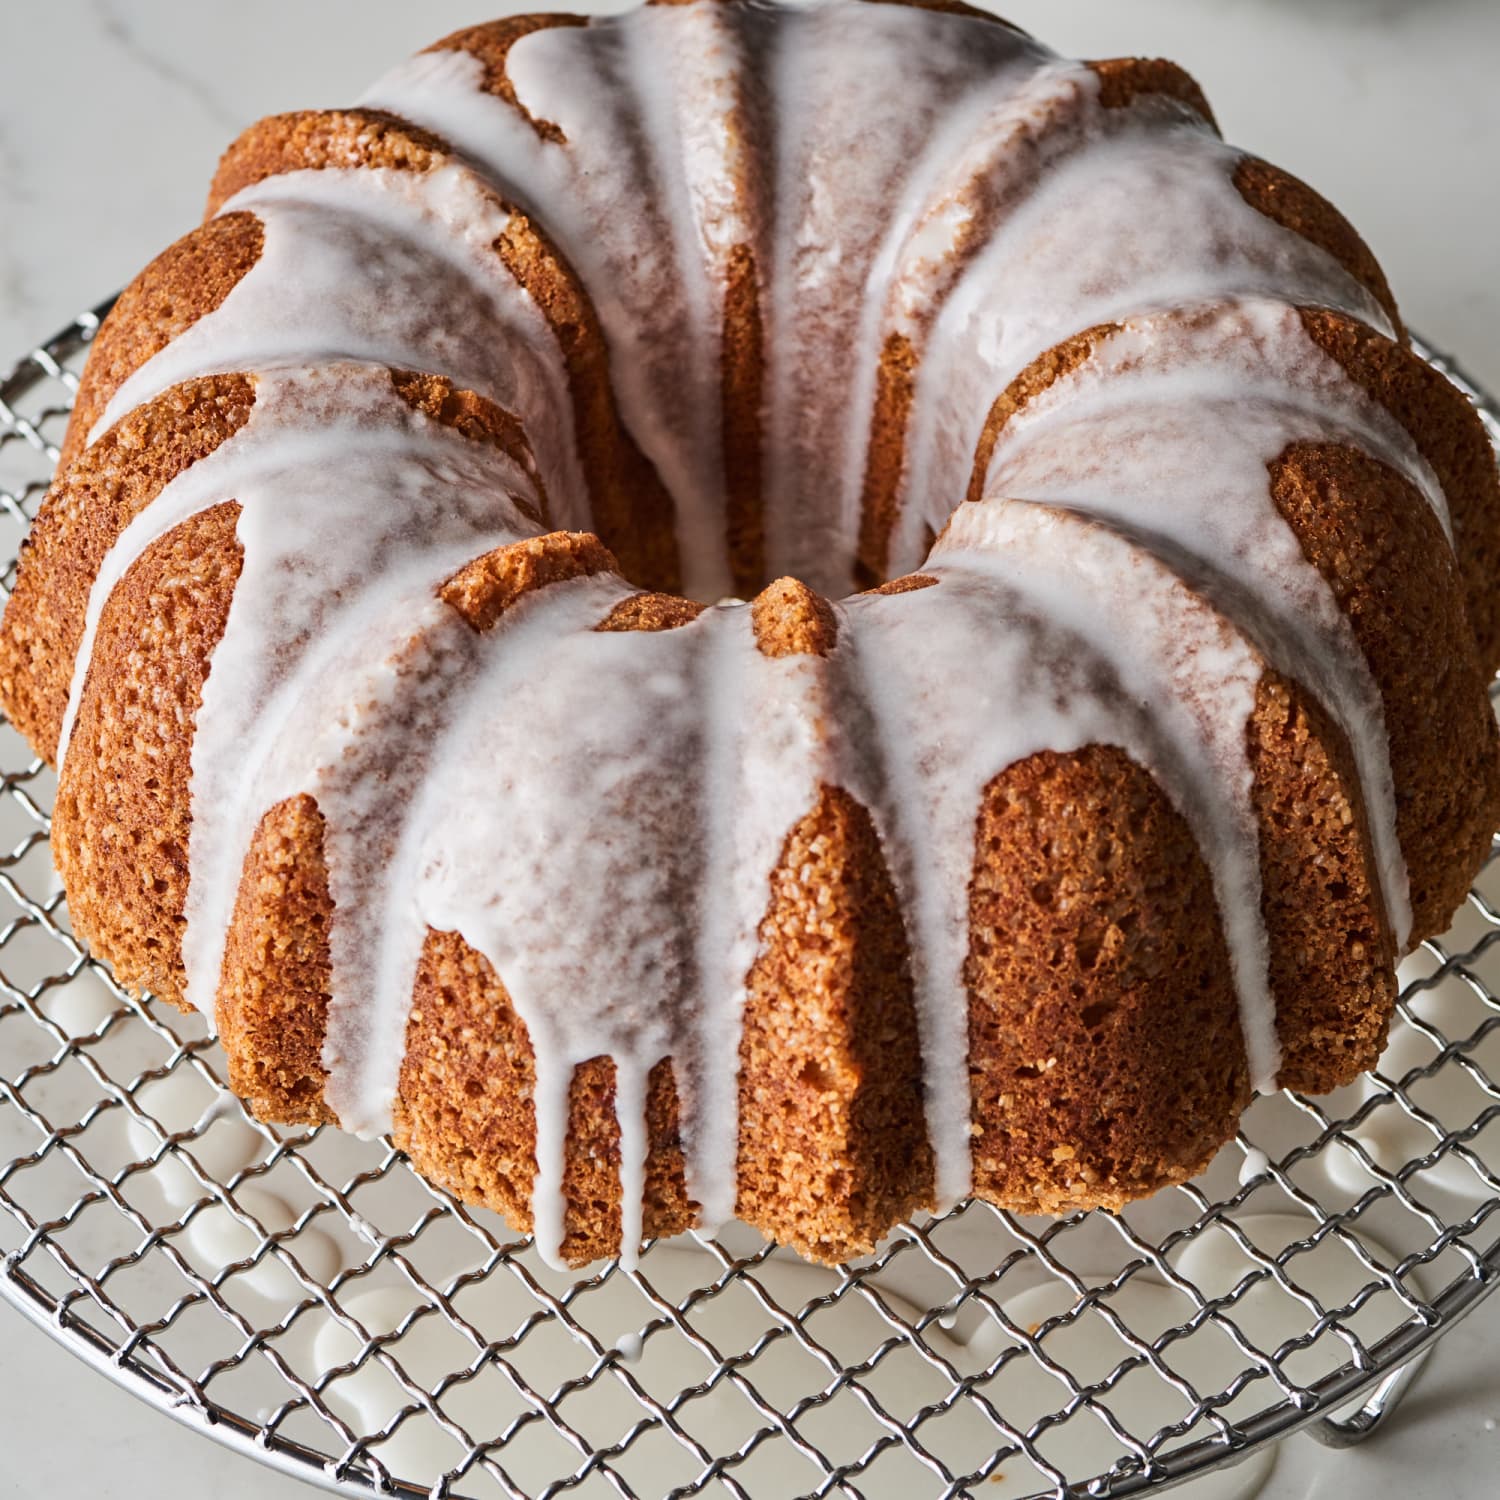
655,134
1169,431
846,193
392,268
1451,1096
1256,1164
222,1140
430,1352
216,1238
1084,639
1147,216
635,158
1329,1273
354,509
697,130
81,1006
627,726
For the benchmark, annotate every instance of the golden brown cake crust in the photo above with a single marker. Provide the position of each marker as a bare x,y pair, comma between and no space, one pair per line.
89,505
121,822
652,612
1044,371
631,507
833,1143
1448,433
273,998
1295,206
465,1116
464,1111
1092,916
491,42
1123,82
484,589
789,619
955,8
1332,954
185,282
742,344
479,419
315,140
908,583
743,359
1376,541
879,500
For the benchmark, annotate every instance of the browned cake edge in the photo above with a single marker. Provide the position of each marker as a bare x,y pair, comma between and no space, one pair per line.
1093,917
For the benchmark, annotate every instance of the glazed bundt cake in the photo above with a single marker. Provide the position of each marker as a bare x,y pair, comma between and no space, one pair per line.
1115,719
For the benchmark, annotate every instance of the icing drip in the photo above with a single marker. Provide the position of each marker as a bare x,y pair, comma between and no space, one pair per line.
394,268
1152,220
578,744
1169,431
638,155
1083,639
1179,692
941,228
701,132
644,730
353,510
655,133
844,192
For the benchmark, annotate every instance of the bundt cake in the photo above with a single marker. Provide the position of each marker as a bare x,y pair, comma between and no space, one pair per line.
1115,719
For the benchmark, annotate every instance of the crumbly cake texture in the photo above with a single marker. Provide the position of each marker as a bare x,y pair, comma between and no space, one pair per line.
1100,998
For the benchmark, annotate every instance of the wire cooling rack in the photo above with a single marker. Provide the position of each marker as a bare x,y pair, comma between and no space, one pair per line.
306,1298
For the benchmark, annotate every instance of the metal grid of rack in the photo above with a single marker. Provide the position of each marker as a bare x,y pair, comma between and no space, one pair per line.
305,1297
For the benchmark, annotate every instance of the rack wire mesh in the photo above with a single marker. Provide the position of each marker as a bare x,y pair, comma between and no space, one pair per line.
305,1297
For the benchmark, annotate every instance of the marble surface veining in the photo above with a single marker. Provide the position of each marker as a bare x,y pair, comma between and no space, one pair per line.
112,115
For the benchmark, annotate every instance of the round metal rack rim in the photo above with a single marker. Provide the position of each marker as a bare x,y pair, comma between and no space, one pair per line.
130,1353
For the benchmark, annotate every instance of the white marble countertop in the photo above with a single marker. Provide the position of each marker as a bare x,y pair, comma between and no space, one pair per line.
112,114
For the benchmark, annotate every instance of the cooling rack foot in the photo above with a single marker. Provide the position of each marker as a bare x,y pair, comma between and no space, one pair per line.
1346,1432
